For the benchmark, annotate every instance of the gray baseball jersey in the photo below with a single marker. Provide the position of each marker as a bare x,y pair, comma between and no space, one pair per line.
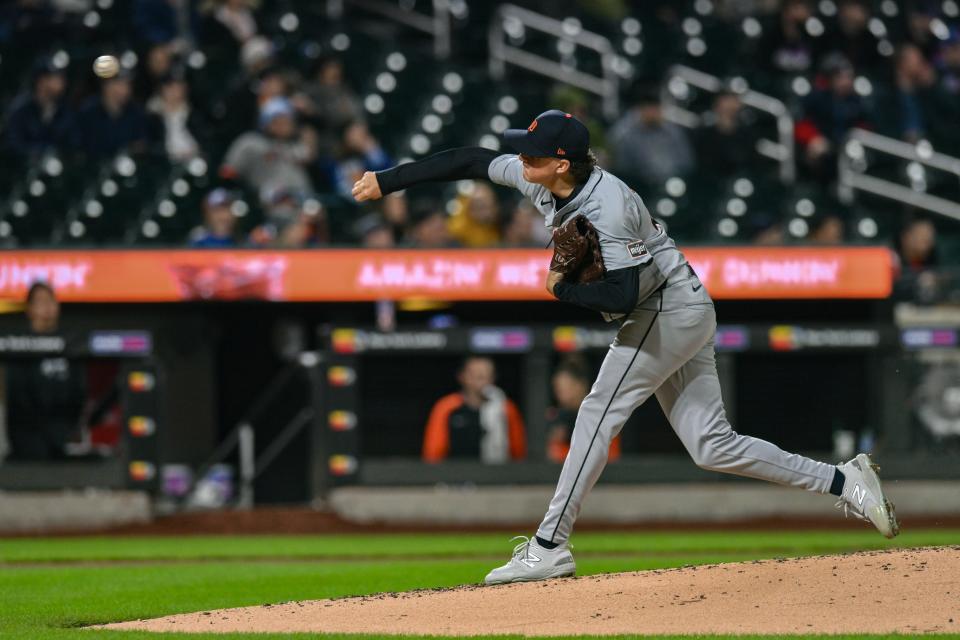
619,215
664,347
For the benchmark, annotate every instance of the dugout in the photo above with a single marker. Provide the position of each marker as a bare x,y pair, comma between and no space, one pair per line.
121,384
378,388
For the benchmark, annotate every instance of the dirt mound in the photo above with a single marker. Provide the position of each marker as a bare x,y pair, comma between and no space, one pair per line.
905,591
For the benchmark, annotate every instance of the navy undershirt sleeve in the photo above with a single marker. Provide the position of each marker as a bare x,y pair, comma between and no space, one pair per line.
463,163
617,292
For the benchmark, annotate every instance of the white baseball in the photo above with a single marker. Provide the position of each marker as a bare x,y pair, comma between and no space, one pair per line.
106,66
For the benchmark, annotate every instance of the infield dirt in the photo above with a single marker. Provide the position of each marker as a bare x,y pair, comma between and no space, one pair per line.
910,591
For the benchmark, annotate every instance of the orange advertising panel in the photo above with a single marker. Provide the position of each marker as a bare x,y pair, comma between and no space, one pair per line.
362,275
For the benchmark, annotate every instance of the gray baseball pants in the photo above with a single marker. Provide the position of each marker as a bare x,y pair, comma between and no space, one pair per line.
666,347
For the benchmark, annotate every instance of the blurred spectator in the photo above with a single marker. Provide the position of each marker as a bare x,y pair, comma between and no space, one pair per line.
826,230
236,16
919,17
725,147
571,384
43,309
238,105
295,221
112,122
852,36
526,227
224,43
645,147
919,280
373,232
332,103
284,234
182,125
946,136
273,159
912,75
358,152
786,45
949,64
45,397
828,114
40,120
257,55
920,106
917,246
156,21
430,230
478,422
219,222
765,230
476,220
304,210
157,66
395,213
301,231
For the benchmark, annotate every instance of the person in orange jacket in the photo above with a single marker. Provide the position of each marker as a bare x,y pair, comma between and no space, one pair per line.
478,422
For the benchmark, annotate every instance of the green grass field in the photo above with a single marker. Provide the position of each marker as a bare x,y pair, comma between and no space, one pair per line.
52,586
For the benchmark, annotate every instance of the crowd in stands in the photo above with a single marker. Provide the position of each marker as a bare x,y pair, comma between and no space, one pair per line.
291,139
295,139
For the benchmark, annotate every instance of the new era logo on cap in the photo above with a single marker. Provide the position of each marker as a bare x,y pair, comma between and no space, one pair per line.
552,134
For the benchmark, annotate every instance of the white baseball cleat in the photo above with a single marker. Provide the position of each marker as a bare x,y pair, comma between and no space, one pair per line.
532,562
863,496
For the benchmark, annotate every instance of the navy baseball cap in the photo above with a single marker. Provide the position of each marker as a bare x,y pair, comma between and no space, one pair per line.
553,134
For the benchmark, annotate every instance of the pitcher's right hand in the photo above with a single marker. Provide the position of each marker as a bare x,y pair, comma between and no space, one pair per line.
367,188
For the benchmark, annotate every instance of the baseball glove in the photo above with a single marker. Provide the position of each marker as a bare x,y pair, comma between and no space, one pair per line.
576,251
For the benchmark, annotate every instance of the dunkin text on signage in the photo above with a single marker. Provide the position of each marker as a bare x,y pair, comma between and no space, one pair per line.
737,272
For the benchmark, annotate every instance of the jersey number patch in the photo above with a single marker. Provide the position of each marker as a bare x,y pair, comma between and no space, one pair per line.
637,249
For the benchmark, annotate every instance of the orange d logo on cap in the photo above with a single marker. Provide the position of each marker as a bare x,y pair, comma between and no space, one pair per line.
533,125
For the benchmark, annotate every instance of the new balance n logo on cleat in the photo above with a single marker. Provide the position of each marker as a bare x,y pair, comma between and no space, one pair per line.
859,494
530,559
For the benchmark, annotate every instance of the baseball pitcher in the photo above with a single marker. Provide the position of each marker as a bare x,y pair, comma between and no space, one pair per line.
611,256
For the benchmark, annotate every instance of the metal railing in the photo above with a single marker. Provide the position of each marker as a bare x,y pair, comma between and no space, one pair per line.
781,150
607,86
436,25
852,168
242,439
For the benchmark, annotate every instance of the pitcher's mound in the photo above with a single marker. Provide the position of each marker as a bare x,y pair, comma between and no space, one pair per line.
913,591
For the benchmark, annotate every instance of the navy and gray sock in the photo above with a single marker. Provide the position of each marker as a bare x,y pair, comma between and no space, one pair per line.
836,487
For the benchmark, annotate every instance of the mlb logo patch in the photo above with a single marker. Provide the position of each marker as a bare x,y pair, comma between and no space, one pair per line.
637,249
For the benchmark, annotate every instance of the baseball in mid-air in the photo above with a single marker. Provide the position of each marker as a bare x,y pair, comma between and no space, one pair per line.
106,66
